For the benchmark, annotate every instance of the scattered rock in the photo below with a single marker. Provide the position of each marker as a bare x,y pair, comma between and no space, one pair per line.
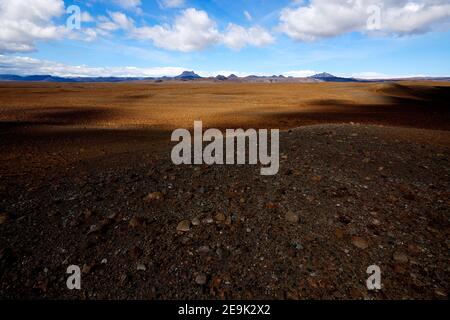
136,222
154,196
184,226
400,257
271,205
208,220
203,249
220,217
414,249
376,222
339,233
195,221
200,279
360,242
103,225
4,217
440,293
141,267
292,217
136,252
86,269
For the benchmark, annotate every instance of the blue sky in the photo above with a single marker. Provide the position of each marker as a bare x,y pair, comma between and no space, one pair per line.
156,37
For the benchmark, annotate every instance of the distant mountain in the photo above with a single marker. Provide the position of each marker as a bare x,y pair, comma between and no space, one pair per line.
327,77
36,78
49,78
188,75
323,75
221,78
192,76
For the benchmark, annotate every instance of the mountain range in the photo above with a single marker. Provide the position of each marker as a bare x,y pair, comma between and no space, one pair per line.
192,76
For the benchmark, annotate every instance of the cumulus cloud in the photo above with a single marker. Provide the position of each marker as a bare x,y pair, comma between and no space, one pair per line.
300,73
237,37
195,30
86,17
328,18
129,4
28,66
192,30
171,3
23,22
248,16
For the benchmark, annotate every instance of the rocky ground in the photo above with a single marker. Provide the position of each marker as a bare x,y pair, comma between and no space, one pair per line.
346,197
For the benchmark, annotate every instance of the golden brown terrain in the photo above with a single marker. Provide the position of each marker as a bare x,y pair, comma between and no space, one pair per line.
366,175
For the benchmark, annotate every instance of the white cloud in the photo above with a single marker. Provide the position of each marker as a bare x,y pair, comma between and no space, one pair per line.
248,16
376,75
329,18
300,73
129,4
23,22
28,66
171,3
121,20
115,21
86,17
237,37
194,30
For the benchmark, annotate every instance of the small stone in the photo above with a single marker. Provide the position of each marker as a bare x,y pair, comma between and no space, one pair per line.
399,269
93,229
297,245
124,278
292,217
184,226
154,196
339,233
203,249
136,222
400,257
440,293
104,261
376,222
200,279
86,269
195,221
3,218
136,252
220,217
271,205
208,220
316,178
141,267
360,243
414,249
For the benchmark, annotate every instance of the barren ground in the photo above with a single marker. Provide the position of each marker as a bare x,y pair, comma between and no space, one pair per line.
366,171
